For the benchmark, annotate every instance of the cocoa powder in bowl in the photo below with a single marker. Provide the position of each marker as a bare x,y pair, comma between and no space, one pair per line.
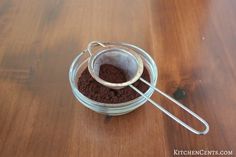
89,87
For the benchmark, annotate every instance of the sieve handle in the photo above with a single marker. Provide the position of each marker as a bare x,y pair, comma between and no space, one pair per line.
170,114
92,45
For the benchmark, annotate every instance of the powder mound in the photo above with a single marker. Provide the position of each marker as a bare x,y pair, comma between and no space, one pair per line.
89,87
112,74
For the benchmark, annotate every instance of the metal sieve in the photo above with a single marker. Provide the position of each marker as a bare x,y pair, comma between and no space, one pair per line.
132,65
124,58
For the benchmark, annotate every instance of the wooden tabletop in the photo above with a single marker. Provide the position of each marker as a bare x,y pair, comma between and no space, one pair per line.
192,41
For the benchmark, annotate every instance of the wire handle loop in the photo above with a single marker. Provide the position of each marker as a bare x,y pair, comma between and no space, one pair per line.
205,131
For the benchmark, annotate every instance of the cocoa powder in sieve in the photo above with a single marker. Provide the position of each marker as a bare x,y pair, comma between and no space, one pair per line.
89,87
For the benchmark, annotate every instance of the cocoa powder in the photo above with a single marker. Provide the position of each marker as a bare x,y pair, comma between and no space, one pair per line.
89,87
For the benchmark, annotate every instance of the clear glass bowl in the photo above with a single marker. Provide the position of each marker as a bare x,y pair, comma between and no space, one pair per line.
80,63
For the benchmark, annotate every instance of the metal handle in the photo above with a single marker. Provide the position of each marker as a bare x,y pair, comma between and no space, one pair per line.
170,114
92,45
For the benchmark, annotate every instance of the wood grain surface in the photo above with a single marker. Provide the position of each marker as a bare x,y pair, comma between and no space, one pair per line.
192,41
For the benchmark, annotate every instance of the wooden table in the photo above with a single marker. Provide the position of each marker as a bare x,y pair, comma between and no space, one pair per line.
192,41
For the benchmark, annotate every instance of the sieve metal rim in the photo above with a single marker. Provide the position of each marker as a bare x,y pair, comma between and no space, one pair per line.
122,49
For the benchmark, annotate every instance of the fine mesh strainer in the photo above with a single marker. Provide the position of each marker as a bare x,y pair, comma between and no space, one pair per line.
132,65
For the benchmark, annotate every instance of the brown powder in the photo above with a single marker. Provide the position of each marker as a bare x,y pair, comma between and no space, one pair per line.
112,74
89,87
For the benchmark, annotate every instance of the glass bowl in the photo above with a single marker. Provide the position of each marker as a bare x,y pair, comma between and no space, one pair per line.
80,63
